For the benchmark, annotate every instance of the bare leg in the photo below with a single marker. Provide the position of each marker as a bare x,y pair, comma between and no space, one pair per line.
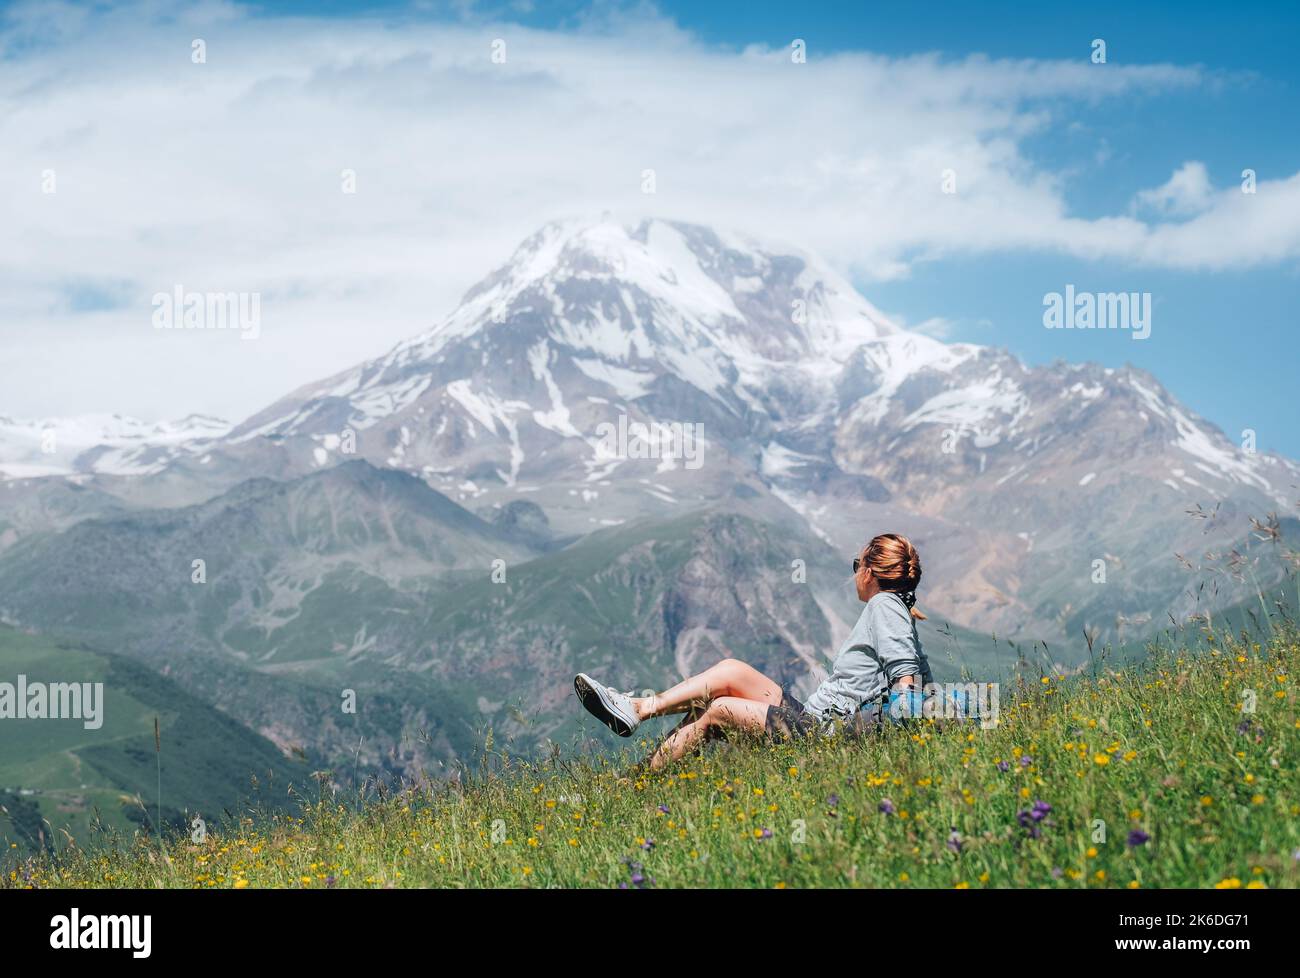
730,677
723,713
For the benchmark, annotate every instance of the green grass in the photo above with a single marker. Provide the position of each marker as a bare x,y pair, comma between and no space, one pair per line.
1165,749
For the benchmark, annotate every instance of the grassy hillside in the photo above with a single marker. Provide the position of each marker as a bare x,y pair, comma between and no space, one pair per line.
59,780
1150,777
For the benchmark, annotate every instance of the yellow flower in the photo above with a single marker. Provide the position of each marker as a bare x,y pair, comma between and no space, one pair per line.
241,884
1101,760
1092,852
1206,801
1231,883
963,885
1257,799
794,771
1257,885
1133,884
903,877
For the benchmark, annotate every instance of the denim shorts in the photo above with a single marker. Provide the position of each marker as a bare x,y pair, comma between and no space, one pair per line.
788,719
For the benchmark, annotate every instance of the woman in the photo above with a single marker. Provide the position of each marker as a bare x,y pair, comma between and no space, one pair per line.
882,651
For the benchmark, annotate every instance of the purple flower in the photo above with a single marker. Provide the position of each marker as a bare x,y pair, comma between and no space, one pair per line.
664,809
1057,872
886,806
637,879
767,834
833,801
1138,838
330,881
1004,766
648,844
1243,727
1026,760
954,840
1029,819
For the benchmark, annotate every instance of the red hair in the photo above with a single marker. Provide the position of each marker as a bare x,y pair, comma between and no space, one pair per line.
895,563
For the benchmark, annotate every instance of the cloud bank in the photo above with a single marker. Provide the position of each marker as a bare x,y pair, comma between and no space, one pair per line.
229,175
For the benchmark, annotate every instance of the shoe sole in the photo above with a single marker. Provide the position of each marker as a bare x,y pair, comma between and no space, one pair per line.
594,700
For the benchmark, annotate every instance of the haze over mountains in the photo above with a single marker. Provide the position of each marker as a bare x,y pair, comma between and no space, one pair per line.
444,529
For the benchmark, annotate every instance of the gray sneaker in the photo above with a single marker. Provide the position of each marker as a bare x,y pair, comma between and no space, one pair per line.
607,704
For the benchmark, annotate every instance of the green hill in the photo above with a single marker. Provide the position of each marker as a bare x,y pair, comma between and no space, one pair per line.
59,779
1156,776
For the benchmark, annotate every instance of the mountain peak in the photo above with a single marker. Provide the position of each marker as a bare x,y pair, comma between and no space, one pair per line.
750,298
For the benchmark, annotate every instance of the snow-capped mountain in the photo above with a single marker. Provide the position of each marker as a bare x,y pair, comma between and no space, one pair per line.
583,321
1018,479
98,443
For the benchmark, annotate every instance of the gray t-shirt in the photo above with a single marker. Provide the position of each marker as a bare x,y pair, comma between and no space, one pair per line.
882,648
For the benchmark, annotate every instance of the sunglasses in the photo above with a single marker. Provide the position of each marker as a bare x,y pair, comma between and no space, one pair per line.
857,562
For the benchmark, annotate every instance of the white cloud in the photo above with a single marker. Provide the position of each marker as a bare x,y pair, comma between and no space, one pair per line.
1187,192
226,176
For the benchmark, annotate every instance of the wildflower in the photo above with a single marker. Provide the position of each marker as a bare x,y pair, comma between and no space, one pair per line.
954,840
1101,760
1026,760
886,807
1004,766
1138,838
663,809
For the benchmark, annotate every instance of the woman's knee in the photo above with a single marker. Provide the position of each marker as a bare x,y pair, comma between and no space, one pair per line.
733,668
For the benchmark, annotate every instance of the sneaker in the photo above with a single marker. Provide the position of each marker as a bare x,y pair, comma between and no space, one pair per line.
608,705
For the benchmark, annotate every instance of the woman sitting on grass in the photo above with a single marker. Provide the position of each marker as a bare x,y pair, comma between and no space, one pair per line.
882,650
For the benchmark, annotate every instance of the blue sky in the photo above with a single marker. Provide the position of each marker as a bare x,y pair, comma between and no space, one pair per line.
235,187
